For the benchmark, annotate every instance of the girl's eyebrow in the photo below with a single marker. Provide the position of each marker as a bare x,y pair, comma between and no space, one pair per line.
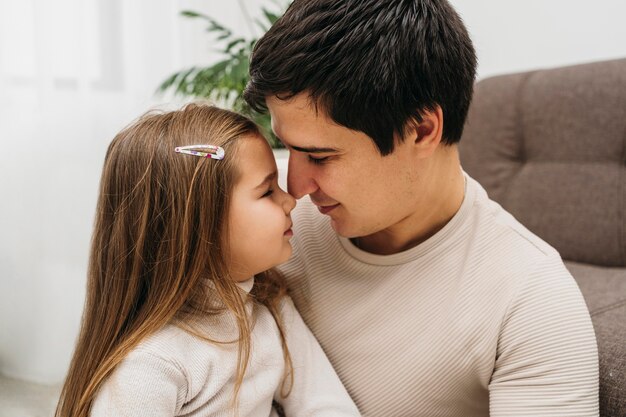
270,177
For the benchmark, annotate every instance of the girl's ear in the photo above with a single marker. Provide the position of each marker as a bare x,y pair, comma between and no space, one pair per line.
427,134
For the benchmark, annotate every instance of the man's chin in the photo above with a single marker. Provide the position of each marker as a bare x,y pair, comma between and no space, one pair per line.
343,229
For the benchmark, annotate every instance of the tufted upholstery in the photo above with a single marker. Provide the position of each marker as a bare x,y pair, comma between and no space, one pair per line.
550,147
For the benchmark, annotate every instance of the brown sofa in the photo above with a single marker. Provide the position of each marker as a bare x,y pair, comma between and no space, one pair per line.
550,147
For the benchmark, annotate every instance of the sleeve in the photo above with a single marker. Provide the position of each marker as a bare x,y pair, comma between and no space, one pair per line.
317,390
141,385
547,358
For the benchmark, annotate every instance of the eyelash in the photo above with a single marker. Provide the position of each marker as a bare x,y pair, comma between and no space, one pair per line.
317,161
268,193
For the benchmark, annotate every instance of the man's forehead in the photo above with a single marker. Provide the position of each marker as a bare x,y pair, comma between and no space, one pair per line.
299,109
301,139
303,126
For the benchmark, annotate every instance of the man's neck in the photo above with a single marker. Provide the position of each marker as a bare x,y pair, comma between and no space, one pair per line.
445,193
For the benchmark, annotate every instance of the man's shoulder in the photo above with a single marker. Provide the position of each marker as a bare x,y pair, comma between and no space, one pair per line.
501,244
501,231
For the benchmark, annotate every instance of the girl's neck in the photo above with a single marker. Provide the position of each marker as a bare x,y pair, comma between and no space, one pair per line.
246,285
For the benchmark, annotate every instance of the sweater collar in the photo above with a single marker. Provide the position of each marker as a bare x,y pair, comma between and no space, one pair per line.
246,285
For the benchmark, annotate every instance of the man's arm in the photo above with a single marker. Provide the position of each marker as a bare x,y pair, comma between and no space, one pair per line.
547,358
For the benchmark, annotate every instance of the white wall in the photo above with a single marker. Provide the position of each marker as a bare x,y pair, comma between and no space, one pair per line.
72,73
66,87
516,35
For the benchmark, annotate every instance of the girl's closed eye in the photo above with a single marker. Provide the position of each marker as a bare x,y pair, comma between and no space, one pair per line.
268,193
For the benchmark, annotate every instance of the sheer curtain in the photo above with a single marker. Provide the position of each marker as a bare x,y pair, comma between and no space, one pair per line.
72,73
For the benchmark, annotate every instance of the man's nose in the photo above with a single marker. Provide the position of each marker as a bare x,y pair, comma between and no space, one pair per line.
300,181
289,203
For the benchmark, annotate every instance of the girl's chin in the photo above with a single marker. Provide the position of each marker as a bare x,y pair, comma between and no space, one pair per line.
287,254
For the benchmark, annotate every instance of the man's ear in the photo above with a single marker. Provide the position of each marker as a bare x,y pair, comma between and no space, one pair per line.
427,134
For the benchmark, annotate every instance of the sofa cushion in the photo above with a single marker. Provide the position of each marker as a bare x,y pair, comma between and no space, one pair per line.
604,290
550,146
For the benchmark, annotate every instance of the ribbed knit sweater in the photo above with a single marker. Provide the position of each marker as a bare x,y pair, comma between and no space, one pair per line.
480,319
173,373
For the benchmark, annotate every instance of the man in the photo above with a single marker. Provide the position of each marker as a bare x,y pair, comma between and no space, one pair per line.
429,298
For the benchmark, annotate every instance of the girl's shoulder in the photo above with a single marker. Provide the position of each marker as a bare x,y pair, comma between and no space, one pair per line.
175,344
169,343
175,353
169,350
150,377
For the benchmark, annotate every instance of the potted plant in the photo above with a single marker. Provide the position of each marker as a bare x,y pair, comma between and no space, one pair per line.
225,80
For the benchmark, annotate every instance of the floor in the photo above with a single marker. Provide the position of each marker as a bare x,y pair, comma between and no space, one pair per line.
26,399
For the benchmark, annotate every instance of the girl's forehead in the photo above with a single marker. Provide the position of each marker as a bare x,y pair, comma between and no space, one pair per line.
255,161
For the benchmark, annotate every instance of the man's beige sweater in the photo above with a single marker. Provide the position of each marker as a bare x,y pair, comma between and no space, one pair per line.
481,319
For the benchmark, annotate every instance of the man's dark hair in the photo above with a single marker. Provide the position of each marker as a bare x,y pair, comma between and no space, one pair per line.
371,65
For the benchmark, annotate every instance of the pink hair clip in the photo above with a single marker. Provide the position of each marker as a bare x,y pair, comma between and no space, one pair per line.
203,151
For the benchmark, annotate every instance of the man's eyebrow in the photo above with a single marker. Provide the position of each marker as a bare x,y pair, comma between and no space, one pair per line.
307,149
270,177
313,149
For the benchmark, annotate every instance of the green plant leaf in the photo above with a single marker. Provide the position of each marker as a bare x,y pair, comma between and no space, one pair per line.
233,43
192,14
225,80
271,17
176,81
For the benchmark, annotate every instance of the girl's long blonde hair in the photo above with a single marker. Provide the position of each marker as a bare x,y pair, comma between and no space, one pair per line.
157,242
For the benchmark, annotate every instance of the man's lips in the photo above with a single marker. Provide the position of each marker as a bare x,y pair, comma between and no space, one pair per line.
327,209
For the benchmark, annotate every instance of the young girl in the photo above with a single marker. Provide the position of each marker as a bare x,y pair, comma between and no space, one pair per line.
184,315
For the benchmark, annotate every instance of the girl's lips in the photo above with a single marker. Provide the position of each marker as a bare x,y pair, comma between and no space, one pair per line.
327,209
289,232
